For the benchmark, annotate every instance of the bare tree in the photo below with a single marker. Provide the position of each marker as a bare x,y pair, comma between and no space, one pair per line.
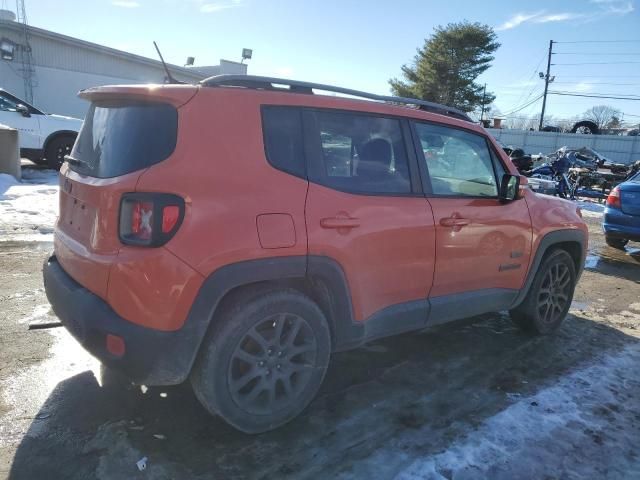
522,123
565,125
601,115
614,122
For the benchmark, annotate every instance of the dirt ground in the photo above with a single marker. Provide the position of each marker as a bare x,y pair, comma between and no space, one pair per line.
478,399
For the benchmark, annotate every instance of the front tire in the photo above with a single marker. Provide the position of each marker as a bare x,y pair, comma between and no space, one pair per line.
56,150
264,361
549,297
618,243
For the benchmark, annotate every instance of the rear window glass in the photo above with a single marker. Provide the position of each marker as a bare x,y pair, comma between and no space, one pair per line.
121,137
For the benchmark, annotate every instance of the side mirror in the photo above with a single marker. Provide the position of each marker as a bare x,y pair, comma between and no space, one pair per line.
509,187
23,109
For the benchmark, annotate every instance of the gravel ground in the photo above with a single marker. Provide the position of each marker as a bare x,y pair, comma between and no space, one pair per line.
478,399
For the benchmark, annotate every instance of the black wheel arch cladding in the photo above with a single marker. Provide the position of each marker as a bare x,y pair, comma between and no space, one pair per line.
324,281
573,241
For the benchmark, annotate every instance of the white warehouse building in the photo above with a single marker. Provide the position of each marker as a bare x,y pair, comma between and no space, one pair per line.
59,66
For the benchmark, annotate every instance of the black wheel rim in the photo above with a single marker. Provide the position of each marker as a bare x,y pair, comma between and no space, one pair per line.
272,364
553,296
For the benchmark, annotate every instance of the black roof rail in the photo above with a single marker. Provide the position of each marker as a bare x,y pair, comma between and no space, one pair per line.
294,86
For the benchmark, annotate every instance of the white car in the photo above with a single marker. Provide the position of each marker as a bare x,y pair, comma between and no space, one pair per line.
44,138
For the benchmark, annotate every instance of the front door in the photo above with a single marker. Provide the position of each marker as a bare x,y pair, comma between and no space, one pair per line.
364,212
482,244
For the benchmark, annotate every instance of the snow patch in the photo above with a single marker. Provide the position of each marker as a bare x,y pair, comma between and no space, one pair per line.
591,261
523,437
28,208
591,209
39,313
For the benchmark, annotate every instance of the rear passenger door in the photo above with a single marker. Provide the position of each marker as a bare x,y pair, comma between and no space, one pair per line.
482,244
365,210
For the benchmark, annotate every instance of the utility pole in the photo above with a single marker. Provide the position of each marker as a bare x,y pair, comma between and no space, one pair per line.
484,94
546,84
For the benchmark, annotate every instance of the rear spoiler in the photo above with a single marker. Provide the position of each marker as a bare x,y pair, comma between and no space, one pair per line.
176,95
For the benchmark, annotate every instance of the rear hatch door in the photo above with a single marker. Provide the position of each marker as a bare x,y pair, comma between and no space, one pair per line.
126,130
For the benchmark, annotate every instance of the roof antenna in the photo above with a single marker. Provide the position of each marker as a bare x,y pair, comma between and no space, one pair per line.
166,69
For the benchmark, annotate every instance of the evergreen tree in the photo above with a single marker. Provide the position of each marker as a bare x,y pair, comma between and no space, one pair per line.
445,68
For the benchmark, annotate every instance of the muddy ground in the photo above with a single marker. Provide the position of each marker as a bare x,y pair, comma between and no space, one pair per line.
478,399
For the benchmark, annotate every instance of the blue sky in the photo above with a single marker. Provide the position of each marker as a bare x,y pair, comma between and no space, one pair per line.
361,44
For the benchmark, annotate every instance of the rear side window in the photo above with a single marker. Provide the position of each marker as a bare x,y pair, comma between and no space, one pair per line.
361,154
283,141
121,137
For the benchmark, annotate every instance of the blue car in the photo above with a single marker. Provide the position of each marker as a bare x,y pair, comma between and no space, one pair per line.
622,213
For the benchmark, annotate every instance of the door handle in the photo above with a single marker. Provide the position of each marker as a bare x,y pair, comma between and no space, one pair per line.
339,222
454,222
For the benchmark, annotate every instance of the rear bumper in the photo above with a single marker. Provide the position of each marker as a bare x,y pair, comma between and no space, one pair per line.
617,224
152,357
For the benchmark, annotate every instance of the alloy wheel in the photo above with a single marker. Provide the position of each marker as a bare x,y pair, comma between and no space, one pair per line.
554,293
272,364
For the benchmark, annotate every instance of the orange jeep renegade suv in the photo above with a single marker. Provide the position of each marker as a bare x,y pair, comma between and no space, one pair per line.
239,231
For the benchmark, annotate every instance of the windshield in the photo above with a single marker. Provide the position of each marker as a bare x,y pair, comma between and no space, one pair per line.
9,103
121,137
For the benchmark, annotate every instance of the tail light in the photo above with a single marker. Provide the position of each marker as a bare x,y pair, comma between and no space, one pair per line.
613,200
149,219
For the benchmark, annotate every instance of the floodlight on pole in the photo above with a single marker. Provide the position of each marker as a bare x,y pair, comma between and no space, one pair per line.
247,53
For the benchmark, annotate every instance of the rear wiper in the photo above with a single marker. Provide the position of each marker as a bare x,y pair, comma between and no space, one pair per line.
75,161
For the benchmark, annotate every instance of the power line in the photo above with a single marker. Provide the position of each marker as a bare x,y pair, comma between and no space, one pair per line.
594,53
526,99
599,76
524,106
592,96
522,96
595,63
515,94
520,105
602,41
597,83
634,95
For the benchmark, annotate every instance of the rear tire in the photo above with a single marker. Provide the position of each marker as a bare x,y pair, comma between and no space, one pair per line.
57,148
549,297
264,361
618,243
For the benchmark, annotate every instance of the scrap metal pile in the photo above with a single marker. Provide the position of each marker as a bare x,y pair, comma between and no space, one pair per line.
571,173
